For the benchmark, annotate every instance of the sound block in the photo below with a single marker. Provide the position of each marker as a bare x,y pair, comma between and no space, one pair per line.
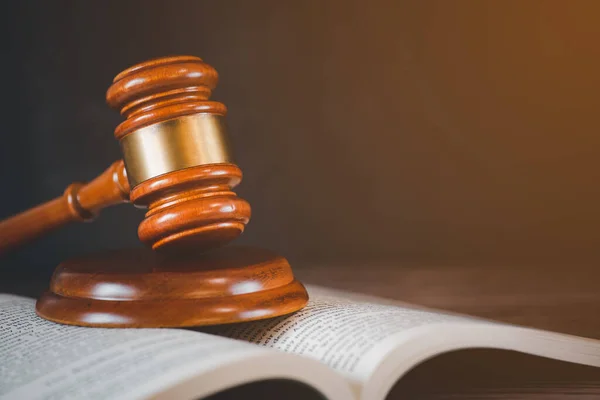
139,288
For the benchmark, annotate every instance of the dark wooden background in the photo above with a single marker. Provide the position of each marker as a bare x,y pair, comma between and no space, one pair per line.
437,132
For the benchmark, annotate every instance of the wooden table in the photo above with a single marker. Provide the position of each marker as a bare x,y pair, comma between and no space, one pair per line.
562,299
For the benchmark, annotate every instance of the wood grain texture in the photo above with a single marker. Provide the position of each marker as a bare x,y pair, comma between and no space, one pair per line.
192,208
139,288
558,298
163,88
79,202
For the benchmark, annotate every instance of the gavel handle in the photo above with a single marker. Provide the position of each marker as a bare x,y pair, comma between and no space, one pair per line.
79,202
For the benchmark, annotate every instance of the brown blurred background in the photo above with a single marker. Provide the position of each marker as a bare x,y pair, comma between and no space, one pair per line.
435,132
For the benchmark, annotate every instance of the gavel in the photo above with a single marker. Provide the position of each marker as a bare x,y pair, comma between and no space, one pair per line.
176,160
176,163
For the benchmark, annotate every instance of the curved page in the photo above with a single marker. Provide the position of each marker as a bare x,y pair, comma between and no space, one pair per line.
372,342
40,359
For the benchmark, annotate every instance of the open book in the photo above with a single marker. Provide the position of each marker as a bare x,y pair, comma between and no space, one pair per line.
341,346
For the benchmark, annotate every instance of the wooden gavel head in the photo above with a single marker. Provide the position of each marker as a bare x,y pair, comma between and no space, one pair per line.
176,154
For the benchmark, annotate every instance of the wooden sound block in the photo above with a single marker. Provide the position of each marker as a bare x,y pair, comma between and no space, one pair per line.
144,289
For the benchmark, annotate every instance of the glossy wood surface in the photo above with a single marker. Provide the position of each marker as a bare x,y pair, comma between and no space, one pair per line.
140,288
193,207
79,202
163,88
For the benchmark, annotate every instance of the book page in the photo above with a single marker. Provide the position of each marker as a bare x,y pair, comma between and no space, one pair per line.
40,359
373,342
338,331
